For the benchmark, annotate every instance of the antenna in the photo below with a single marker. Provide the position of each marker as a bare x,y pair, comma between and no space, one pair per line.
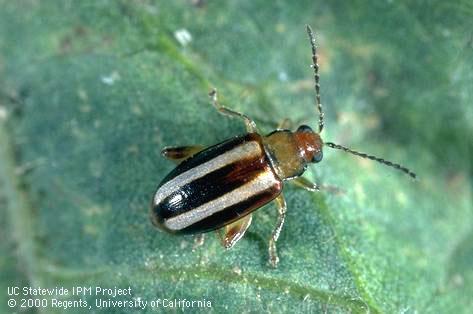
315,66
380,160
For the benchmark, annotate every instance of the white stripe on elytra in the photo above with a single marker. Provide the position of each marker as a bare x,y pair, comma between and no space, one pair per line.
242,151
259,184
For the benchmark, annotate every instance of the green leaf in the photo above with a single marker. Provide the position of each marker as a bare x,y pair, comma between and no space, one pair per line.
91,91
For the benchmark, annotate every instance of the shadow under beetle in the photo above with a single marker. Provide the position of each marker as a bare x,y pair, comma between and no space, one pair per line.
217,188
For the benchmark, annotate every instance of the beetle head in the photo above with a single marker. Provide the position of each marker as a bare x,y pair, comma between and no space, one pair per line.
310,144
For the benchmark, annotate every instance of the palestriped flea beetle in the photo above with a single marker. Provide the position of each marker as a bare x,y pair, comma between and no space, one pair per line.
217,188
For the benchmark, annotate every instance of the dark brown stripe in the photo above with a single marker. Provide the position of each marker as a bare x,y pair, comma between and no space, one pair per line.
210,153
234,212
212,186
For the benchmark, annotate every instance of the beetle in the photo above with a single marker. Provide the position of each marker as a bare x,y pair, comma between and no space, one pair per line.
218,188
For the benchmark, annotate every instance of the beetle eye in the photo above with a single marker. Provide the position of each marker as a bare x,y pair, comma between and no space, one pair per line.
305,128
318,157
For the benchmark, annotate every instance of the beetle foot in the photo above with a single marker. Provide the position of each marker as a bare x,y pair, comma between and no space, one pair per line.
198,241
273,260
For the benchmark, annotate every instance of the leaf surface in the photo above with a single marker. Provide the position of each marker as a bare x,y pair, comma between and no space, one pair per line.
91,91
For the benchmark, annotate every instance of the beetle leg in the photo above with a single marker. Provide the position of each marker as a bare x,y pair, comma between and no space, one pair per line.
250,124
273,255
232,233
306,184
313,187
180,153
198,240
